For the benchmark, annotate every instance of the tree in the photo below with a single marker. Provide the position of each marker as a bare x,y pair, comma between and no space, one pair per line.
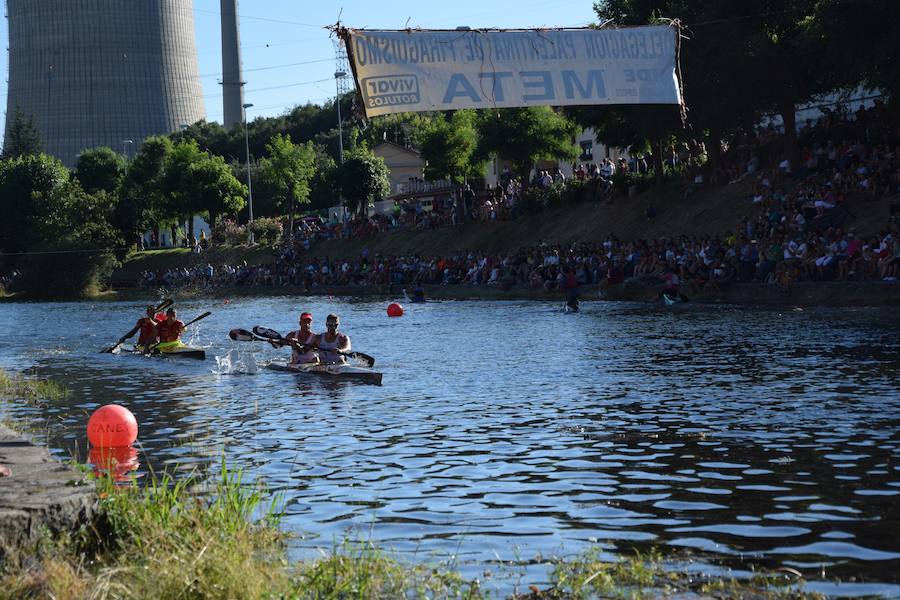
524,135
215,189
34,191
100,169
63,231
141,194
363,179
322,186
22,136
449,144
289,168
742,58
863,42
193,182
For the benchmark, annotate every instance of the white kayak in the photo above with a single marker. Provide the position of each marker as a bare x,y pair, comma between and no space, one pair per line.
339,372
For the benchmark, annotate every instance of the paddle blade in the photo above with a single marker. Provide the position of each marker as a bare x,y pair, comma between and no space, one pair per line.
269,334
240,335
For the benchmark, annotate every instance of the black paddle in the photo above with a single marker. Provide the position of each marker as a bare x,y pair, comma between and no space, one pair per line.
162,306
271,335
150,349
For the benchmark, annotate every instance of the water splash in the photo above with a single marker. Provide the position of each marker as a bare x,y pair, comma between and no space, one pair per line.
236,362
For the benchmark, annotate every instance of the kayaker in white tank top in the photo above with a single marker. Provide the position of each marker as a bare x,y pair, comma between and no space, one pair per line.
304,335
332,340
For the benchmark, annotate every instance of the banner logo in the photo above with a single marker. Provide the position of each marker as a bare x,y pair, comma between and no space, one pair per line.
391,90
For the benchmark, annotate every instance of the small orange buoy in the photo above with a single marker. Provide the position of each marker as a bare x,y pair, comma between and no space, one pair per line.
112,426
394,310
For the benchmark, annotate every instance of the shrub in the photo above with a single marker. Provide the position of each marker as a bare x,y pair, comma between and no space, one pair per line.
229,233
266,230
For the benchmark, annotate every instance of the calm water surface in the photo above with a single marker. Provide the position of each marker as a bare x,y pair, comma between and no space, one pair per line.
508,431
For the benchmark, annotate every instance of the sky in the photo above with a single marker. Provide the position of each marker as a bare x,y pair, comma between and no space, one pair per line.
288,56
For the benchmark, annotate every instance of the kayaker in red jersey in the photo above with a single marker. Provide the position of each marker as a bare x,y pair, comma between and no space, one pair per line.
330,341
147,327
170,330
305,336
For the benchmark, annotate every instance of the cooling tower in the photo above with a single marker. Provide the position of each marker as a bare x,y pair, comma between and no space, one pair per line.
99,72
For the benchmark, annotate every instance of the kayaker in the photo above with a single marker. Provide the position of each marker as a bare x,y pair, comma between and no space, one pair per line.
170,331
572,288
147,326
305,336
330,341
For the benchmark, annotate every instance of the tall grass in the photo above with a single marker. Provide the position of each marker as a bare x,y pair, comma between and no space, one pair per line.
19,387
647,576
177,538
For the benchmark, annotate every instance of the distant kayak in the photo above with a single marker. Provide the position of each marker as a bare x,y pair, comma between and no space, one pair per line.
337,372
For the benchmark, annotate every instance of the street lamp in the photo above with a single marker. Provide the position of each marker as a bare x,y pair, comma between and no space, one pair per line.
249,184
124,146
183,127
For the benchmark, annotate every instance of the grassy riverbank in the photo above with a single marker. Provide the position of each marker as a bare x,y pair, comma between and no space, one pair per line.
187,539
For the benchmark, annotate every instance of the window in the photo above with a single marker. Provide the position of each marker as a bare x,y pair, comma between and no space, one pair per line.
587,151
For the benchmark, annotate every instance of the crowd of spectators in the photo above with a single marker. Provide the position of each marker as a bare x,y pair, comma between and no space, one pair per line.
793,232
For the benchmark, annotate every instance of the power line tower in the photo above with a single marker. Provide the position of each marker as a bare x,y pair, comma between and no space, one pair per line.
342,65
342,87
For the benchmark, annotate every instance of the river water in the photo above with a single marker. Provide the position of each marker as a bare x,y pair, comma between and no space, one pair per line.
509,432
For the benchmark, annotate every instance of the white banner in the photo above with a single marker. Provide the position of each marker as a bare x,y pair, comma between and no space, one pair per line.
415,71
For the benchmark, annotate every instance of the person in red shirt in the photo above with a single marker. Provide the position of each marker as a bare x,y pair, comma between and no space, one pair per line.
169,330
147,326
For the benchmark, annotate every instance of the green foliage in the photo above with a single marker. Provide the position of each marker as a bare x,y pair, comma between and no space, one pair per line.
525,135
77,260
288,169
229,233
193,182
141,196
363,179
22,136
448,145
400,128
322,186
100,169
266,230
30,389
34,196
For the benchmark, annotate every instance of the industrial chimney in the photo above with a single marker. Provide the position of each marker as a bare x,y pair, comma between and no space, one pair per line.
232,85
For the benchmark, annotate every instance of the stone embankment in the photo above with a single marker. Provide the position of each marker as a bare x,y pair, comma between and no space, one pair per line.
40,495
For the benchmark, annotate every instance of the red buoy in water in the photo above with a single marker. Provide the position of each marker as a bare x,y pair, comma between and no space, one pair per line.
395,310
118,462
112,426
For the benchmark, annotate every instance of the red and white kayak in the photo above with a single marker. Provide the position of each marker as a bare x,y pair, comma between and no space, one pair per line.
338,372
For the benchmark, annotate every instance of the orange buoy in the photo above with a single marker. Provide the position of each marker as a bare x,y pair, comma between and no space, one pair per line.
118,462
112,426
394,310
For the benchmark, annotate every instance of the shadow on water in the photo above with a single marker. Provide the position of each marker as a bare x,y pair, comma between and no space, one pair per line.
506,431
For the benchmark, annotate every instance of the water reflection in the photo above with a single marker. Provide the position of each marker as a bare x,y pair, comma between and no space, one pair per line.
505,430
